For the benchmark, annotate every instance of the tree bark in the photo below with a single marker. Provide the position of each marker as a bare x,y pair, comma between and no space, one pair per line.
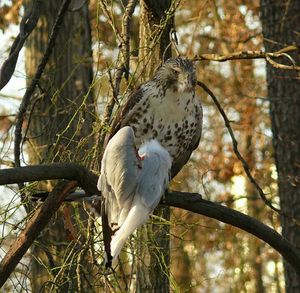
280,20
59,128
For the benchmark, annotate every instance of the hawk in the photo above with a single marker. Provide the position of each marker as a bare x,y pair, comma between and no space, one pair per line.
165,108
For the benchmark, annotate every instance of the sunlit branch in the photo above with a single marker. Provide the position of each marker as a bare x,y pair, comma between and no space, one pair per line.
268,56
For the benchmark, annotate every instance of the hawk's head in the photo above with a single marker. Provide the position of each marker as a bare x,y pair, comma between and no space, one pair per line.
177,73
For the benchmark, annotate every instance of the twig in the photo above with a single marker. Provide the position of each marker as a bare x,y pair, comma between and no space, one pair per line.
235,148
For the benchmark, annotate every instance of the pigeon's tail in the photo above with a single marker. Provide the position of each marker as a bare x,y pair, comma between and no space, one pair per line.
136,217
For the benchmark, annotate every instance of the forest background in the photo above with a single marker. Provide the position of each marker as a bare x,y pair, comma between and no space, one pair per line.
104,49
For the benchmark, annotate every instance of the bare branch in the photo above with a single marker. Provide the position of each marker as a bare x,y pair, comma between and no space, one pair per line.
28,23
110,19
126,34
70,171
194,203
235,148
34,226
125,52
255,55
123,68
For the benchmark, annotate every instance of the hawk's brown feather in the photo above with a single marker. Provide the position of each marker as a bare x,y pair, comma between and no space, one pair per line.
172,76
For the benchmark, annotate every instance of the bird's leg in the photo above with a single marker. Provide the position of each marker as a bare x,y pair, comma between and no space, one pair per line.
108,261
163,197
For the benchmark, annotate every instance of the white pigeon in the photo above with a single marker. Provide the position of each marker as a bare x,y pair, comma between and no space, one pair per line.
132,183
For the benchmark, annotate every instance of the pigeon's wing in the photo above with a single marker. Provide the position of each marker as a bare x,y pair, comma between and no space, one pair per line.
125,112
119,169
117,183
180,161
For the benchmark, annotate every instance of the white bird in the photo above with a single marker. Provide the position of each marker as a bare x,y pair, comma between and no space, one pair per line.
132,183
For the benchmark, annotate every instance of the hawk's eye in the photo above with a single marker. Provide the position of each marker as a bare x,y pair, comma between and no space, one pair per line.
176,71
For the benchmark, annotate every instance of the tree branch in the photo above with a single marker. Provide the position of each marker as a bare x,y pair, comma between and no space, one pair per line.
236,150
34,226
27,24
188,201
255,55
69,171
194,203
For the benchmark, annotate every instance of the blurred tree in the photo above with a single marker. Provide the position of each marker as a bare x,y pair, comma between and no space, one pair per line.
205,255
60,124
279,20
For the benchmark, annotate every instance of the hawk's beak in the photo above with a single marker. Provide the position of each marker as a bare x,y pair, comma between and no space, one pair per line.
190,85
189,88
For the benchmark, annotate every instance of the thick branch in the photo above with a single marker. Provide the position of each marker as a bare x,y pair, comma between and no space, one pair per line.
34,226
70,171
194,203
187,201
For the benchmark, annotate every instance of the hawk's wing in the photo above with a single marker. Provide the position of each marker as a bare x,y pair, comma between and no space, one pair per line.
125,112
181,160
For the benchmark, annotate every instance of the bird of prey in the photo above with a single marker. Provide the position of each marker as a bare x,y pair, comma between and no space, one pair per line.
131,182
165,108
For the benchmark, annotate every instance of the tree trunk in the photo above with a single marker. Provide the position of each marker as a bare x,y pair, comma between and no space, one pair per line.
60,126
280,20
153,247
